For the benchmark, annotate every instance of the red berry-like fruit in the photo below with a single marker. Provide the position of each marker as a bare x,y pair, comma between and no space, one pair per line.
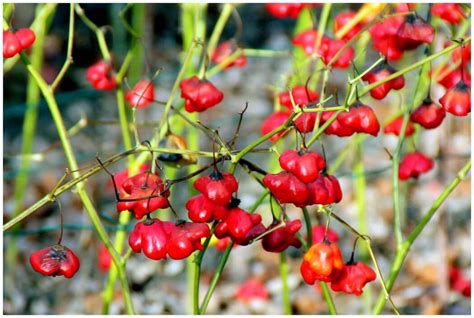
200,209
121,176
100,76
342,19
449,12
301,97
252,289
222,244
287,188
286,10
26,37
186,238
448,77
240,226
428,115
57,260
199,94
143,185
304,164
384,37
413,165
274,121
325,190
151,237
329,49
360,118
104,260
379,73
459,282
394,127
323,261
318,232
141,95
282,238
457,100
352,278
217,187
413,32
226,49
11,44
336,127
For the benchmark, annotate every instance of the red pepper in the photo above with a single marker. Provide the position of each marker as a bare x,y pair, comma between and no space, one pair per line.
104,260
457,100
361,119
151,237
250,290
274,121
380,72
413,32
200,209
141,95
394,127
384,37
449,12
240,226
199,95
100,76
186,238
226,49
428,114
413,165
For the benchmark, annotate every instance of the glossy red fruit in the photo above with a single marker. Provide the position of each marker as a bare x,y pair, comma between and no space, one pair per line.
250,290
57,260
143,185
413,165
226,49
274,121
104,260
301,97
11,44
151,236
448,77
286,10
413,32
238,225
463,52
200,209
323,261
394,127
217,187
287,188
101,76
361,119
282,238
331,47
342,19
428,115
327,49
318,232
353,278
459,282
449,12
26,37
325,190
199,94
304,164
305,122
124,174
336,127
186,238
141,95
457,100
379,73
384,37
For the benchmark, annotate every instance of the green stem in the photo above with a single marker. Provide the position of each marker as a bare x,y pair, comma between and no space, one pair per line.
403,249
309,229
286,301
138,26
55,113
360,187
28,134
328,298
219,27
223,260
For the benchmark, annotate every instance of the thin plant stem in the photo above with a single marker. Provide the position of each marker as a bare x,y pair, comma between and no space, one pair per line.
405,247
285,292
70,42
309,229
81,191
360,187
219,27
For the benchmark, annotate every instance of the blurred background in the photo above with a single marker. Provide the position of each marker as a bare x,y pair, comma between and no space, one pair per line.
159,287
